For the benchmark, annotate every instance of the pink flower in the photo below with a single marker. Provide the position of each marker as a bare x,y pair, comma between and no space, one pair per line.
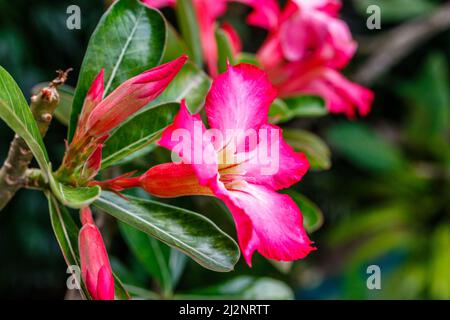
266,221
130,97
306,46
95,268
207,12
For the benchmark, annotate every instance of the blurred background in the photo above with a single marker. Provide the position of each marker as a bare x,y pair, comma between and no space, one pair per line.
385,200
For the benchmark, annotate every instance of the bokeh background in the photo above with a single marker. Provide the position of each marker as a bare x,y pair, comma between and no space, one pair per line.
385,200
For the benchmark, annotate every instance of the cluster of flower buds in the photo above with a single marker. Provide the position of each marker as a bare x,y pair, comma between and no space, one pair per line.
99,116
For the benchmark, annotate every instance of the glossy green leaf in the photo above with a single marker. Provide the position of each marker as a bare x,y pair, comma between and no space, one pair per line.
191,84
128,40
315,149
15,111
64,109
175,46
312,215
189,28
224,50
66,232
74,197
300,106
185,230
364,148
137,133
244,287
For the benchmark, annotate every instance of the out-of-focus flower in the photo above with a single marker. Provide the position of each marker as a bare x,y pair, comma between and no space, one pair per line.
207,12
228,166
95,267
306,47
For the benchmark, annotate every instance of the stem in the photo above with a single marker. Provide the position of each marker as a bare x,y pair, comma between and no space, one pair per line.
13,171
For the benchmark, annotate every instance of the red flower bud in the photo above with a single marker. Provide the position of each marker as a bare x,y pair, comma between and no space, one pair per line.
95,267
131,96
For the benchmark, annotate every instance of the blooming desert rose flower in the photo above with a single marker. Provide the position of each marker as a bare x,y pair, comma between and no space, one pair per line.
95,267
266,221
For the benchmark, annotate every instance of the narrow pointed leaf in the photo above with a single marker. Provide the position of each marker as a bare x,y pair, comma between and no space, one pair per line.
312,215
182,229
15,111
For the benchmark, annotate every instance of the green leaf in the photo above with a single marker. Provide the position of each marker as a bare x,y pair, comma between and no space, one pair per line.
244,287
312,215
66,232
129,39
137,132
245,57
191,84
364,148
306,106
315,149
153,255
175,46
74,197
299,106
188,23
15,111
64,109
224,50
395,10
440,262
184,230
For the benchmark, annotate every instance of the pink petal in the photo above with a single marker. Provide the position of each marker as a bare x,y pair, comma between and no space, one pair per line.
315,34
265,13
131,96
186,138
171,180
275,170
105,284
342,95
93,257
267,222
159,3
239,99
93,163
93,97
